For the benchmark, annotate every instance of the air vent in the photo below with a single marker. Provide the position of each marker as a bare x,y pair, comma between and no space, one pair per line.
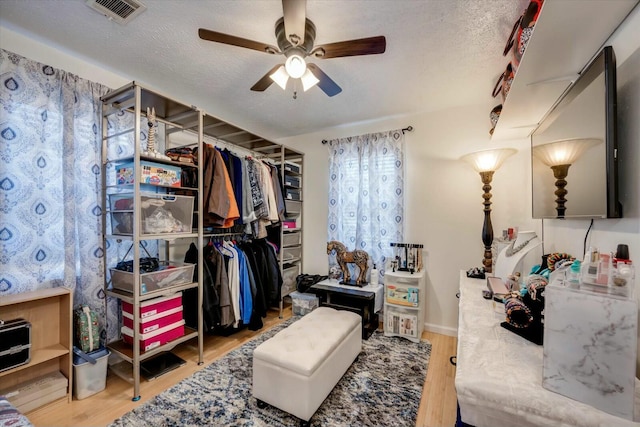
121,11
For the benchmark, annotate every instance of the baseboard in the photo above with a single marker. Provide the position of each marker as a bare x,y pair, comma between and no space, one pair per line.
439,329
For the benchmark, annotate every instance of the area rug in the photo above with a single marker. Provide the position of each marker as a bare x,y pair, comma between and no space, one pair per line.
381,388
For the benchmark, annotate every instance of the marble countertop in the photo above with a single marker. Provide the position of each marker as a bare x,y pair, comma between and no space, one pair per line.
499,374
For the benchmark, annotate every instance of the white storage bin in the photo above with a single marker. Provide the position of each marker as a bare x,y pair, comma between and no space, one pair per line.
291,239
89,379
303,303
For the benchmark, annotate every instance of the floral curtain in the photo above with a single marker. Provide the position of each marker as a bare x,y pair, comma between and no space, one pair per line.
50,182
366,194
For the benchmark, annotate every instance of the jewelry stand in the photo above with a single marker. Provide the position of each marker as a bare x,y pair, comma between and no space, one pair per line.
506,264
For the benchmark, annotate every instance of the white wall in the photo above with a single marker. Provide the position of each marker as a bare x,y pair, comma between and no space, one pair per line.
39,51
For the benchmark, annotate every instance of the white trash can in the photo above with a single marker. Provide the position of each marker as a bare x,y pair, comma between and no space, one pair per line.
88,378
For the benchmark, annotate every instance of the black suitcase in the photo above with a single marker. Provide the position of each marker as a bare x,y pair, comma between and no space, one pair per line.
15,343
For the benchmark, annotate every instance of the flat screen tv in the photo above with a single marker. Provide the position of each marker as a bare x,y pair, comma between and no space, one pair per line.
574,158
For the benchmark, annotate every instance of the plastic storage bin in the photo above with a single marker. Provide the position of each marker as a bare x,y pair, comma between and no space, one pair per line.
89,379
291,239
150,173
293,253
293,207
168,274
401,322
303,303
289,275
403,295
159,213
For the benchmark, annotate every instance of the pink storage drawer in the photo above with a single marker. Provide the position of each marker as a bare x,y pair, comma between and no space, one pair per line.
156,338
152,323
154,306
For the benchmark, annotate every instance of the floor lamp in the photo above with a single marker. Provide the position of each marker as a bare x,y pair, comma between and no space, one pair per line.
559,155
486,162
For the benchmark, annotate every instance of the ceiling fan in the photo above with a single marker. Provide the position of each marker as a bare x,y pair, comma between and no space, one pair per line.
295,35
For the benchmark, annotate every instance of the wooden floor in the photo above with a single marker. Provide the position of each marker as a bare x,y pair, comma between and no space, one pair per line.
437,406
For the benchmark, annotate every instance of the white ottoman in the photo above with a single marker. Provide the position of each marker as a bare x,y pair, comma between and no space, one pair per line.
297,368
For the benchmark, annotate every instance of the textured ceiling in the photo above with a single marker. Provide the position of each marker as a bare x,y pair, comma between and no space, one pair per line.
440,54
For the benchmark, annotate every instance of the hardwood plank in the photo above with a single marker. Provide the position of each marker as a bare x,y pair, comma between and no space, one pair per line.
437,406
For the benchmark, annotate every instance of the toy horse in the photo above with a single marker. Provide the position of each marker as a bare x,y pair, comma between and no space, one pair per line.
358,257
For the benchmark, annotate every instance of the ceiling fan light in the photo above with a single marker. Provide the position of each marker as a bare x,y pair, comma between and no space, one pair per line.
280,77
295,66
308,80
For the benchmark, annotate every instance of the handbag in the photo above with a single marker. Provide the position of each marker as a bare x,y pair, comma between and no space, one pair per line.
87,331
522,30
506,78
494,116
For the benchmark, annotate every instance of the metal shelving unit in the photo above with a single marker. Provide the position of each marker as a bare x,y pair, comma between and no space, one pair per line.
291,165
134,99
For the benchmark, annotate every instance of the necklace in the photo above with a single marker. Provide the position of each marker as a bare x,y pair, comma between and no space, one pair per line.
511,250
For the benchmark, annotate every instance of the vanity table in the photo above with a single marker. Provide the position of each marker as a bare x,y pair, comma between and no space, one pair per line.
499,374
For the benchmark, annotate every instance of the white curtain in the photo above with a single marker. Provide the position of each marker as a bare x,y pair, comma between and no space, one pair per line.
366,194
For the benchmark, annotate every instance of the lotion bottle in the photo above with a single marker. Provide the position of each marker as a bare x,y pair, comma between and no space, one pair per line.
374,276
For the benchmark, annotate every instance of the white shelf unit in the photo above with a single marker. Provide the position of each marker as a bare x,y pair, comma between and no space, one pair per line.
134,99
404,304
291,166
558,50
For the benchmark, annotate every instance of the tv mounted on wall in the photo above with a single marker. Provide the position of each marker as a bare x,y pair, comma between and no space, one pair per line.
574,158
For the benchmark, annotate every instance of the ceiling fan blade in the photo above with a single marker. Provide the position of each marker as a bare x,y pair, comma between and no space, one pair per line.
327,85
366,46
295,14
265,81
215,36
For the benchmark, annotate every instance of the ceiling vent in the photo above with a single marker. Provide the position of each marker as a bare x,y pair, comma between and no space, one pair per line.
121,11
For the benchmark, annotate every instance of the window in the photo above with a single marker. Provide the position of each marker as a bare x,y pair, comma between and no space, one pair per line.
366,193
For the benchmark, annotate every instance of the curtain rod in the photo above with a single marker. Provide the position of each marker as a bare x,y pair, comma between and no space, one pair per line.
407,129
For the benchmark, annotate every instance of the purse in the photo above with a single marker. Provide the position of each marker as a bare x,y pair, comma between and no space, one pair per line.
494,116
522,30
506,78
87,331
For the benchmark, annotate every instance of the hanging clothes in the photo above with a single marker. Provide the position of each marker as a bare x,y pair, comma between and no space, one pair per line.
231,258
246,297
219,202
277,189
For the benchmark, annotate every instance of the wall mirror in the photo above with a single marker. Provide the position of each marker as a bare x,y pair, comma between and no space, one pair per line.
574,149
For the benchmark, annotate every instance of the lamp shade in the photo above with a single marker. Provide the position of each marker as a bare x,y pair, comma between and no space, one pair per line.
308,80
564,151
281,77
488,160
